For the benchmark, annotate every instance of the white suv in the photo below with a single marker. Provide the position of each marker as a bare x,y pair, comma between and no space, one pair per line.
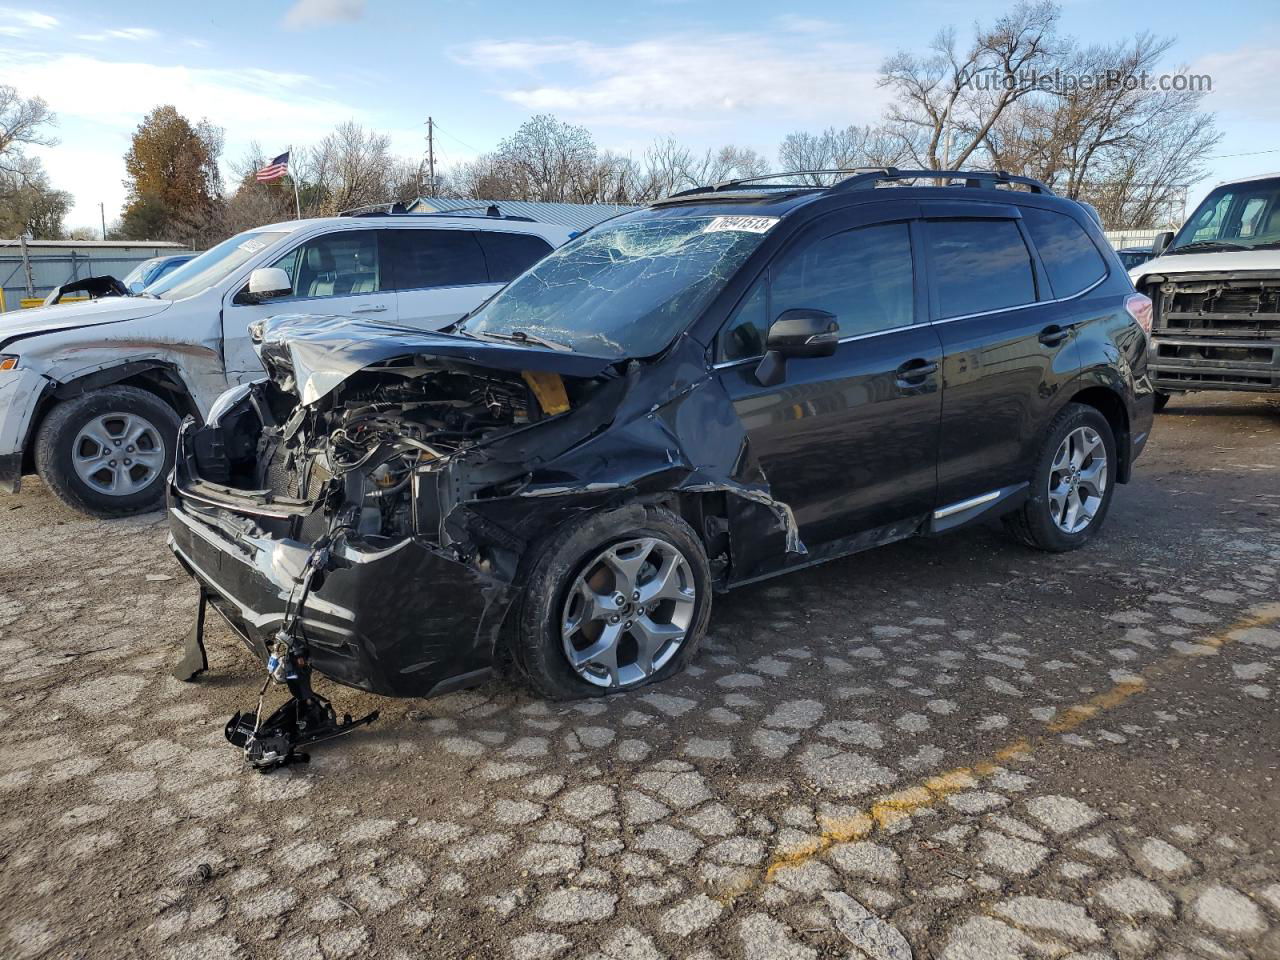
91,393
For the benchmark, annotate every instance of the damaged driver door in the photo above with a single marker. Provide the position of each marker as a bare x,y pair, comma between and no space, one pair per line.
849,441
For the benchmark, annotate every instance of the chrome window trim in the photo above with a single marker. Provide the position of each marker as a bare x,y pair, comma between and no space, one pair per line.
1022,306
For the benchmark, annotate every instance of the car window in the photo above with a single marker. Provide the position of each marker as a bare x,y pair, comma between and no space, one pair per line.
510,254
863,276
744,334
165,269
214,265
434,258
334,265
1069,256
979,265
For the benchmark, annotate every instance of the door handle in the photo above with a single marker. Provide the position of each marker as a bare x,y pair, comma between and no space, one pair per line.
1055,333
370,308
915,372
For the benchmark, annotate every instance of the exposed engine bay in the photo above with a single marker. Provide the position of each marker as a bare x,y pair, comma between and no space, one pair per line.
368,510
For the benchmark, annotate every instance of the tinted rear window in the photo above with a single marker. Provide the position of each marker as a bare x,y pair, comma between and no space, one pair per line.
433,258
511,254
979,265
1069,256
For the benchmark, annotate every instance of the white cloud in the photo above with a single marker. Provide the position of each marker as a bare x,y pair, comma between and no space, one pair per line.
668,82
1243,81
310,13
19,23
96,120
122,33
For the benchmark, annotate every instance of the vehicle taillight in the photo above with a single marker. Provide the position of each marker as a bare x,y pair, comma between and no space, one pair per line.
1139,308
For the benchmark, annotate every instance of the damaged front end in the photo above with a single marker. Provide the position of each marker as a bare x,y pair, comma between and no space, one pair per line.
373,503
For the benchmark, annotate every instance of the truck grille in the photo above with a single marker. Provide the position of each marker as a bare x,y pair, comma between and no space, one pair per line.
1218,304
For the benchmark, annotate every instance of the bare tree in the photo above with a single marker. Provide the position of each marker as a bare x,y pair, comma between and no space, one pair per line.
840,149
24,122
948,100
1131,152
351,167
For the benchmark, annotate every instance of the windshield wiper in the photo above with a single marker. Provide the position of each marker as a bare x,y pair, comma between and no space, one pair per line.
520,336
1210,245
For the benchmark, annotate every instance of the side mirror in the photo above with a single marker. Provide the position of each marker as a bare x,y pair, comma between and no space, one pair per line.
1161,243
799,332
268,282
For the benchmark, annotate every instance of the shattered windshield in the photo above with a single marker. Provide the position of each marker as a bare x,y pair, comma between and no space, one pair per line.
1238,216
624,289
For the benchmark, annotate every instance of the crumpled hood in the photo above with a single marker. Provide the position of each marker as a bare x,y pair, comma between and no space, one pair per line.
16,324
1222,261
323,351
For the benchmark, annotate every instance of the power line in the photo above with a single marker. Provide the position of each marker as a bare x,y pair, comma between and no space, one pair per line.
457,140
1255,153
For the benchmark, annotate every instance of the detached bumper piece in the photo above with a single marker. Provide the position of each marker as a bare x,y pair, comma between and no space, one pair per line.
300,721
306,717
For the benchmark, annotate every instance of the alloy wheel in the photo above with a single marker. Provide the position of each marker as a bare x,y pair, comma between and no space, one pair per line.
1077,480
628,612
118,454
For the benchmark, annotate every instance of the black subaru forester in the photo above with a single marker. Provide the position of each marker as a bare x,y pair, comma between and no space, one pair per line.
728,384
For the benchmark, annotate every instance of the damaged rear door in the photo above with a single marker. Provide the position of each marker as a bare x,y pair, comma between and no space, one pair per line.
850,441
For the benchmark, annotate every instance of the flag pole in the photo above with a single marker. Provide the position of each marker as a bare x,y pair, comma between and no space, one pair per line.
294,180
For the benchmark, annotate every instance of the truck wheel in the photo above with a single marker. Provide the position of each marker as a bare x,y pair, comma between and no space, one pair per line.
613,601
107,452
1162,400
1072,485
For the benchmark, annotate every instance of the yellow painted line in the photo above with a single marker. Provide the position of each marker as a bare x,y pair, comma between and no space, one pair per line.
894,807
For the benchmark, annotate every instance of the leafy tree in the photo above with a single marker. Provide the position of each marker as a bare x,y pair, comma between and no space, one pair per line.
174,186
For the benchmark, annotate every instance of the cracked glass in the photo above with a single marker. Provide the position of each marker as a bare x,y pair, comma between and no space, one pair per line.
624,289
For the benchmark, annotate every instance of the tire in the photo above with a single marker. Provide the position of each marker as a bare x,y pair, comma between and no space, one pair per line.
111,414
553,596
1037,522
1162,401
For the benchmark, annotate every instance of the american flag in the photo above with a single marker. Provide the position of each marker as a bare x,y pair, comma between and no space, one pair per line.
276,169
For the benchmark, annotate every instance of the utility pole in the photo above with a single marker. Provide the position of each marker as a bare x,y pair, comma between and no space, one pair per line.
102,211
431,158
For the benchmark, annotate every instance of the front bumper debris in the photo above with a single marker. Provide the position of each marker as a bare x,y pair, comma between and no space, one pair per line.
1181,362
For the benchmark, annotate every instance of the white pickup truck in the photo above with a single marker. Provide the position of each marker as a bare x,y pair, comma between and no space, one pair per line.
91,393
1215,288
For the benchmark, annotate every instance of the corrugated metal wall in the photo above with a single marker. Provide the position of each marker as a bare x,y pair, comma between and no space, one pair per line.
52,266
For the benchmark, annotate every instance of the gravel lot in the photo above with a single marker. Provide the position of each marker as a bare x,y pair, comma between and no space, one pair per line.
949,748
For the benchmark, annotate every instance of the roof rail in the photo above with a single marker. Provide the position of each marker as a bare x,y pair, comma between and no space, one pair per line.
971,178
858,178
735,184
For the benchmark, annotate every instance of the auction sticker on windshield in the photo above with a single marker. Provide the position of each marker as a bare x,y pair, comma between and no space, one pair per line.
743,224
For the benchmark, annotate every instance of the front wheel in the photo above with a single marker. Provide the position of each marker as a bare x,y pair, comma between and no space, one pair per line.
613,601
107,452
1072,485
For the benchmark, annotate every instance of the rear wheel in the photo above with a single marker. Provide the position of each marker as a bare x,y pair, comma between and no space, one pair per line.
107,452
614,601
1073,483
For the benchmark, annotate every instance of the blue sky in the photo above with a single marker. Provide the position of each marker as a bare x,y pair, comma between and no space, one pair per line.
705,71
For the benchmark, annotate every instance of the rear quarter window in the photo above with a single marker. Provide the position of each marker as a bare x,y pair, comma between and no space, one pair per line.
510,254
1069,256
979,266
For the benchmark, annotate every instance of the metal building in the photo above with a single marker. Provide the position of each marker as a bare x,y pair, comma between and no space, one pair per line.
52,263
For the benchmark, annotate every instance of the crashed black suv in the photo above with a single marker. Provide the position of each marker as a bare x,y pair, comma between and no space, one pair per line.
729,384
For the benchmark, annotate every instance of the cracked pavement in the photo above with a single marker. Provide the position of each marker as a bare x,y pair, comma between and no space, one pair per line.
952,748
